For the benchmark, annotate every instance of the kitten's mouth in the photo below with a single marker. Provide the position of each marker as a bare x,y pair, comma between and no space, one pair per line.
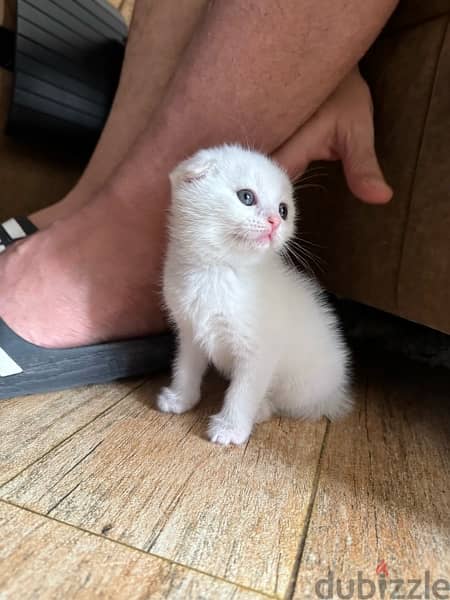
265,238
261,241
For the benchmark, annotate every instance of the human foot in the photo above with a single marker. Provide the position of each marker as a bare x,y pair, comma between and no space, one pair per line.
87,278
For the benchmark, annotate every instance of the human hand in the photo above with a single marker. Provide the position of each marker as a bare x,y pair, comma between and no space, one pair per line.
341,129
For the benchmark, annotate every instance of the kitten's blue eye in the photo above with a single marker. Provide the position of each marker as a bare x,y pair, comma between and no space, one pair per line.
247,197
283,210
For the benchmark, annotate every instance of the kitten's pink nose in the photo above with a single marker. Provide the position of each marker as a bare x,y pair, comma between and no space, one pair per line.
274,221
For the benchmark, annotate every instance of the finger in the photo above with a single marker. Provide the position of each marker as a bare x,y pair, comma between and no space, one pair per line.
362,170
307,144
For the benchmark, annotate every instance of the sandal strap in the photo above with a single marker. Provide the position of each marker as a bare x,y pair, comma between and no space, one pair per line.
26,225
15,229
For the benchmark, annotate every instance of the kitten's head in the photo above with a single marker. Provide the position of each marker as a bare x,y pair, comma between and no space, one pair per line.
232,203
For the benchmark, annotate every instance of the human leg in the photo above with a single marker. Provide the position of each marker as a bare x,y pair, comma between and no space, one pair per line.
232,84
159,32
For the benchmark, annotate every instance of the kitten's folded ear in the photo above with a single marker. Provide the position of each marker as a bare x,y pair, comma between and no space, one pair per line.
194,168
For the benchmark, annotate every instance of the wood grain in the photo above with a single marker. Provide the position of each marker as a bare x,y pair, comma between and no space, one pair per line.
32,425
155,483
383,491
44,559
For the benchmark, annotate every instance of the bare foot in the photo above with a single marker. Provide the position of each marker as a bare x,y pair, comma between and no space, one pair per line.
91,277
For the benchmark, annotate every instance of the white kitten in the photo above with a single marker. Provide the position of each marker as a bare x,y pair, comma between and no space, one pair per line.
236,303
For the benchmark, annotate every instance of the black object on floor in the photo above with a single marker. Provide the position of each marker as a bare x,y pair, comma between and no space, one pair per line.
14,230
29,369
67,62
371,329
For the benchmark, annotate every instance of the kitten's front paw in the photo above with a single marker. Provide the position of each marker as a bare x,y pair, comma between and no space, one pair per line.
220,431
170,402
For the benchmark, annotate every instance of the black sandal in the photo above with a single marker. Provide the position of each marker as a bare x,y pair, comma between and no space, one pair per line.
29,369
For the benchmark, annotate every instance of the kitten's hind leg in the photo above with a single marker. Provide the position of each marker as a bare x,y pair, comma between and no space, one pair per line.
265,411
190,365
315,391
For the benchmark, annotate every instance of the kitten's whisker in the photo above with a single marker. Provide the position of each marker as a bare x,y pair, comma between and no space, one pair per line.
317,260
298,244
310,185
306,182
304,254
303,240
308,178
299,259
312,170
298,240
285,255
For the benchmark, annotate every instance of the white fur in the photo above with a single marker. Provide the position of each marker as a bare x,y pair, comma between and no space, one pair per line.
236,304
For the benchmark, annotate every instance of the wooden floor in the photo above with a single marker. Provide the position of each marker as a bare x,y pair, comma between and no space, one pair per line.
102,496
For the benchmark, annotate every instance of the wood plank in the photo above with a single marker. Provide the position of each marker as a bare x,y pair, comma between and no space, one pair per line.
44,559
383,491
154,482
30,426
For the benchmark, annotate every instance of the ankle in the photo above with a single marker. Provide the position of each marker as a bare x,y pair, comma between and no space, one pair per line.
137,211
